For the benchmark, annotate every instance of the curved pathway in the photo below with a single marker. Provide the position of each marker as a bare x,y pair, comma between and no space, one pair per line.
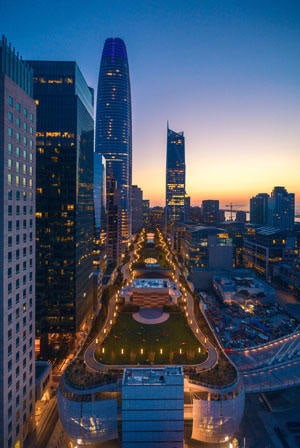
212,353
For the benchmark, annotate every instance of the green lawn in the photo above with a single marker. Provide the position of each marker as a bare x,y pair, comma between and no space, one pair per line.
171,342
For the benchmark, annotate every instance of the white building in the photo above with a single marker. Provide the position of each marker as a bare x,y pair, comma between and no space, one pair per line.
17,248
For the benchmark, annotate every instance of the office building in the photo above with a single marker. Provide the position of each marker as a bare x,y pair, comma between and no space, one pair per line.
137,208
263,250
281,209
152,407
64,204
175,178
210,211
113,125
259,209
146,212
99,193
17,248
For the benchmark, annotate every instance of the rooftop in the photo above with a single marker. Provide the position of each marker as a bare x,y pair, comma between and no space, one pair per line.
149,376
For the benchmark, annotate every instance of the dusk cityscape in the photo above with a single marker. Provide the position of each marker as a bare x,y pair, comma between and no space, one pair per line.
150,231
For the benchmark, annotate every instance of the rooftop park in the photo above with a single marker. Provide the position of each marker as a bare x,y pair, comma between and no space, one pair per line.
134,343
152,251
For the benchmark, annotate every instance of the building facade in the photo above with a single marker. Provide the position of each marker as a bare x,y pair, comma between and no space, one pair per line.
263,250
137,208
17,248
65,211
281,209
176,202
99,193
259,209
113,124
152,407
210,211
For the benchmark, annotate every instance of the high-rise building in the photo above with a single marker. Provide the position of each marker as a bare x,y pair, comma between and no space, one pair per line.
259,209
175,178
281,209
137,208
17,248
146,212
64,204
113,124
210,211
99,193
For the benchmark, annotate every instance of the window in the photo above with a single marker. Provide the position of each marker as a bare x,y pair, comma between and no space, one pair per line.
10,132
25,126
25,112
9,224
18,122
31,117
18,136
17,151
10,116
9,163
9,195
9,148
18,107
10,101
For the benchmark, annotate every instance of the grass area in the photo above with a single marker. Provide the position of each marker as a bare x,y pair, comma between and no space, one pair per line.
171,342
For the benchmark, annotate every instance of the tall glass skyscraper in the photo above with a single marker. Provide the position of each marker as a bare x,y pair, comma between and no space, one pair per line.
113,126
175,178
64,203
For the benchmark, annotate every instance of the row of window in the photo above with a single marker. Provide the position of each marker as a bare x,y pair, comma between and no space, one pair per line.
18,226
18,239
17,181
10,117
18,254
11,133
17,165
20,209
17,301
17,283
19,108
26,155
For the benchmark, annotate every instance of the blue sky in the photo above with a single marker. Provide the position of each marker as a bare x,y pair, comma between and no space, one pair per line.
227,73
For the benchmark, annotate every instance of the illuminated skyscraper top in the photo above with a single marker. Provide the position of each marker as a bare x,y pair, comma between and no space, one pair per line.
175,177
113,123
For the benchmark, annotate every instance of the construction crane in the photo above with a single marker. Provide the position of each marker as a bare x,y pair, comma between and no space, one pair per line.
230,205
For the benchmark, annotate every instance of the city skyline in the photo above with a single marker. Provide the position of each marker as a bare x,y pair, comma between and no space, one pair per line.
224,74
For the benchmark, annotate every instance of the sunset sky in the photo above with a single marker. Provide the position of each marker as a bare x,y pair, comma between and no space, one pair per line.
227,73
